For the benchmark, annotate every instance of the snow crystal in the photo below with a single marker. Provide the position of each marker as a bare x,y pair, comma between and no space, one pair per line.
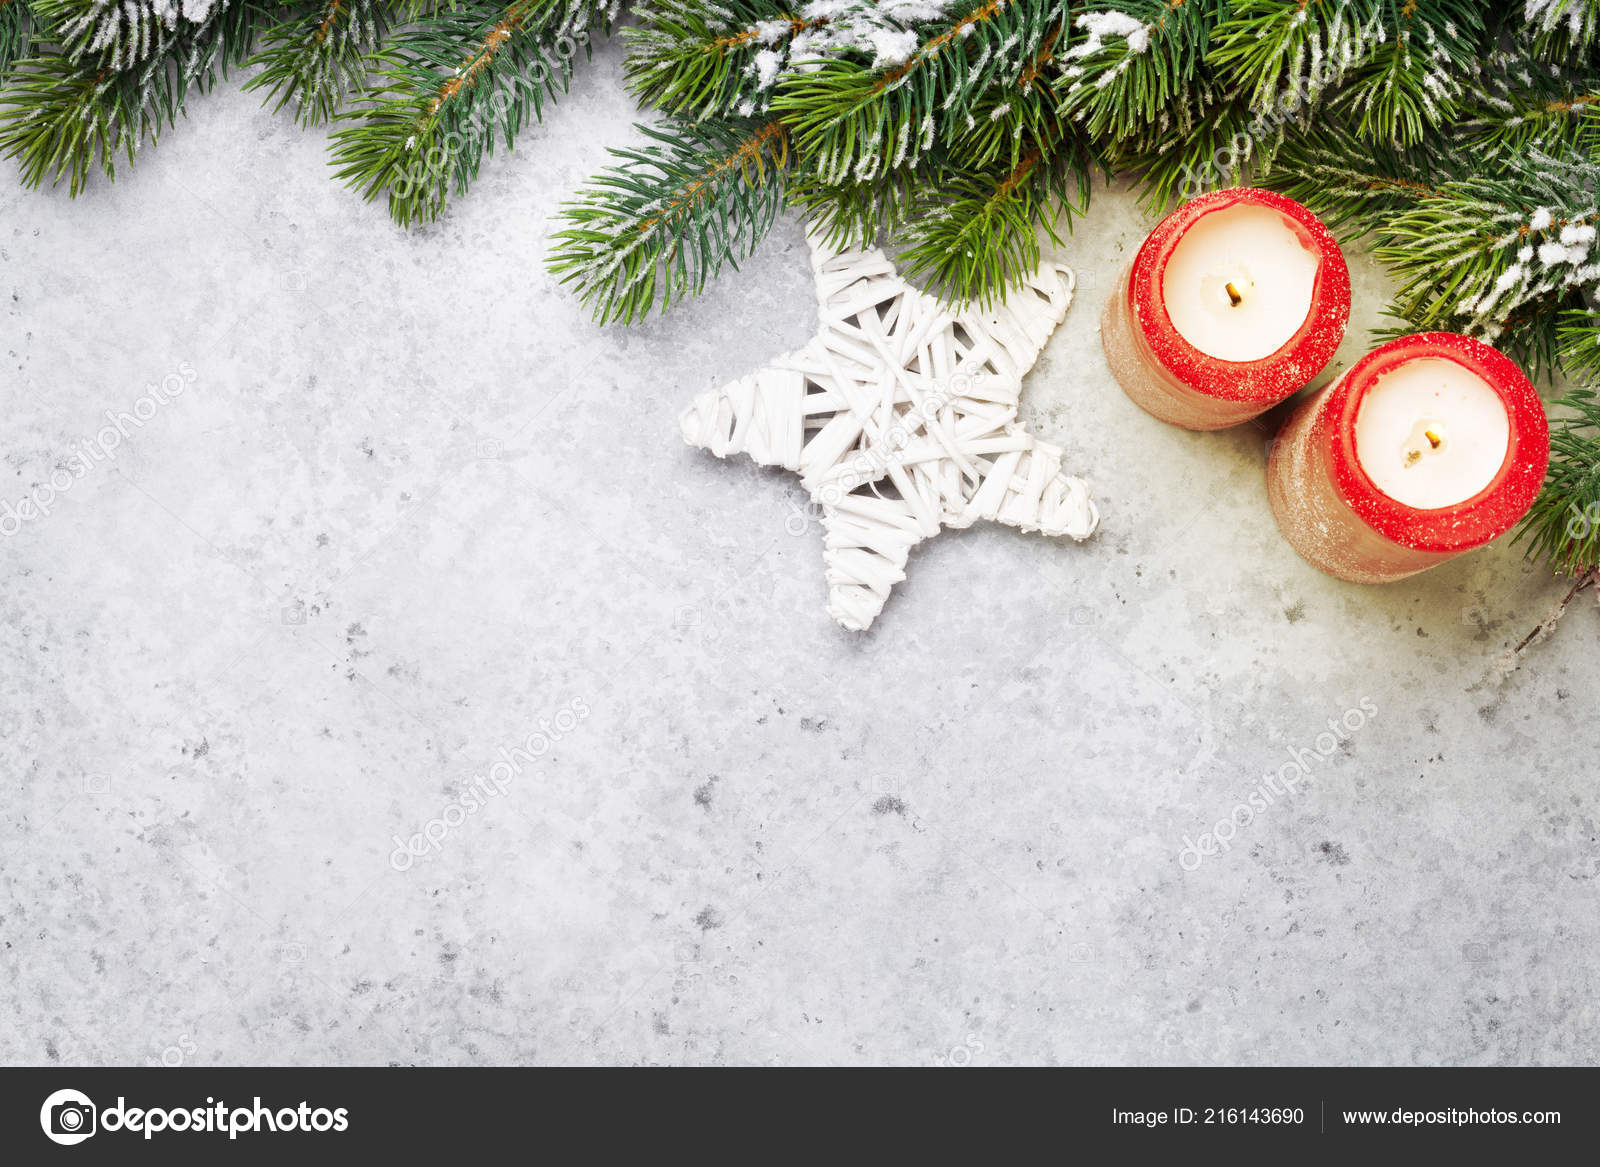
890,32
885,29
169,12
1552,253
1540,220
1548,13
768,63
1100,25
770,32
890,48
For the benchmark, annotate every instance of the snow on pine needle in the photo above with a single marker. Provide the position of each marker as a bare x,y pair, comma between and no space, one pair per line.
730,58
1577,20
1478,256
864,100
1137,64
121,33
886,31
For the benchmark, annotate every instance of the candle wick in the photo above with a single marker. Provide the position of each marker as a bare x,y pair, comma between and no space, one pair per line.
1434,439
1233,295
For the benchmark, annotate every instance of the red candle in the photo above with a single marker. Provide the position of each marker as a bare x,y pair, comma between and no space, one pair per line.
1411,416
1235,301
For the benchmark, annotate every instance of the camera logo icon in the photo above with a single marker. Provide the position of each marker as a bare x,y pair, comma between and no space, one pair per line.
68,1117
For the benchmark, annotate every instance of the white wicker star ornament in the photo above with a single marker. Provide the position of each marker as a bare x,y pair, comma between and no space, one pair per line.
900,417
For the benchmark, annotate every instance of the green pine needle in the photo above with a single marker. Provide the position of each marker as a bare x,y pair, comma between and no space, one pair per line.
61,118
446,90
315,56
672,214
698,60
983,237
15,25
854,121
1143,71
1563,526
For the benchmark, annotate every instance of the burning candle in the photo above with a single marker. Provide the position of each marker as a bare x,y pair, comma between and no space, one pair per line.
1428,446
1235,301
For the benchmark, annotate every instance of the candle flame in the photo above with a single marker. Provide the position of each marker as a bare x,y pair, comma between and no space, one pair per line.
1427,437
1233,294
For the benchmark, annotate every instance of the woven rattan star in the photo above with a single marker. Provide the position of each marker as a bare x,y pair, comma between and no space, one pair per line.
900,416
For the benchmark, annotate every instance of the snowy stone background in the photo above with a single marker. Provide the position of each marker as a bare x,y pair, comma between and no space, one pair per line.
407,508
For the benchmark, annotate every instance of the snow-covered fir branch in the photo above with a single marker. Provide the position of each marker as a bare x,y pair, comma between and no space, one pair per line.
1579,20
124,32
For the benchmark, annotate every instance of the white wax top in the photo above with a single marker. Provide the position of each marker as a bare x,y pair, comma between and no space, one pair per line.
1431,433
1256,250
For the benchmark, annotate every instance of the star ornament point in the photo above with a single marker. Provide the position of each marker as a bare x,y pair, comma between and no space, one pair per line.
900,416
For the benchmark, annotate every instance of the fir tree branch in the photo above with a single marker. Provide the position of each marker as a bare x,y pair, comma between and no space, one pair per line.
1579,334
59,118
1494,257
671,215
982,236
447,89
1515,101
694,59
1396,67
1412,84
1012,120
1478,245
121,34
1563,526
1356,185
15,27
852,118
970,234
858,213
1265,47
1138,65
315,56
1222,144
1558,29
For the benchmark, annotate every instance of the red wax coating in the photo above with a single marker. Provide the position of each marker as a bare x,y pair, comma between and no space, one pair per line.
1167,376
1333,514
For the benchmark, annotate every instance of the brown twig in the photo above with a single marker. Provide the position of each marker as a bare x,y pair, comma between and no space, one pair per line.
515,17
740,39
747,153
322,30
1588,579
954,33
